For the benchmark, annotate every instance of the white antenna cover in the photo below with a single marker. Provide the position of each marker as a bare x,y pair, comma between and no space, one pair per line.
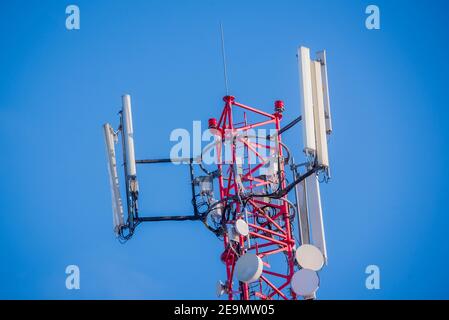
315,213
319,117
117,208
303,216
321,55
305,282
128,135
309,257
305,87
248,268
241,227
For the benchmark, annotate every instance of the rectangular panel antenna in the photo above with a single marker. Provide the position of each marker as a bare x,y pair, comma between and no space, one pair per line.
128,136
117,207
321,55
303,215
315,213
318,111
305,87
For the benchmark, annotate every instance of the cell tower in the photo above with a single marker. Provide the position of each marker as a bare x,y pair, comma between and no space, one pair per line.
241,185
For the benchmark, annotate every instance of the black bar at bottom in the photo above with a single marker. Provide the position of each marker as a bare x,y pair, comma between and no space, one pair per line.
228,310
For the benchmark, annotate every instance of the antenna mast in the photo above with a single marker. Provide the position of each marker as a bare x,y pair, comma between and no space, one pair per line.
223,54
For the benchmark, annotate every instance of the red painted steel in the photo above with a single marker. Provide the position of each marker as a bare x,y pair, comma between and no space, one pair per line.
269,220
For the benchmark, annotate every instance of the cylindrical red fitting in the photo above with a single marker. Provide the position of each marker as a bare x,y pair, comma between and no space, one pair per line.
229,99
279,106
213,123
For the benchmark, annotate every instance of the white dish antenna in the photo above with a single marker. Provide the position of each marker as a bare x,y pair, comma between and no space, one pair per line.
117,207
128,135
241,227
309,257
305,282
248,268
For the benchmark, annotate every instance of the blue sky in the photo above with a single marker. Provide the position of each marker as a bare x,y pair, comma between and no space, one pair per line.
386,203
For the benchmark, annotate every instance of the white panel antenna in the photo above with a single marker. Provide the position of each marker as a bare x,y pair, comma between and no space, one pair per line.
315,214
303,215
321,55
318,111
315,106
305,87
117,207
128,134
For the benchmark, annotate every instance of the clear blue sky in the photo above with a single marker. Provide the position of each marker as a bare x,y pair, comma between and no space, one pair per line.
387,203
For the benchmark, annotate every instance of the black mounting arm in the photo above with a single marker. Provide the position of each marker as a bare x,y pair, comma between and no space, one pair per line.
196,215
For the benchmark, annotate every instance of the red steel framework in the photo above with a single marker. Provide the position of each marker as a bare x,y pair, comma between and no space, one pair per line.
269,220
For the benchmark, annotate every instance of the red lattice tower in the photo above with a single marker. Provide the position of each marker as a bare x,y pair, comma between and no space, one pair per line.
269,220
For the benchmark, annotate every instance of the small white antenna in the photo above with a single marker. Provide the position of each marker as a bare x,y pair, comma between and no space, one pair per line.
223,53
